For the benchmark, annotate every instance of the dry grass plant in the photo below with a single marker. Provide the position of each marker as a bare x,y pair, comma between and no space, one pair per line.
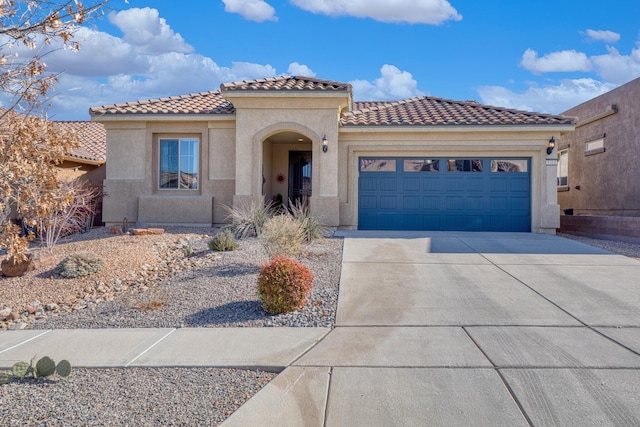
283,235
248,217
313,229
150,300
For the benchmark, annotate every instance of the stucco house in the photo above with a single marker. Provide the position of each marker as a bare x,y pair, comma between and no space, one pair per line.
418,164
599,166
87,160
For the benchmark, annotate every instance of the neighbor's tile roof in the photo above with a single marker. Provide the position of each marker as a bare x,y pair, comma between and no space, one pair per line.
196,103
92,137
429,111
283,83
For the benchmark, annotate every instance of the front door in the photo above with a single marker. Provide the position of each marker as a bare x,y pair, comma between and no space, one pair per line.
299,176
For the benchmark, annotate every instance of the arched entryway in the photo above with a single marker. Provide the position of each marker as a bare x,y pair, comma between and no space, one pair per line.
287,167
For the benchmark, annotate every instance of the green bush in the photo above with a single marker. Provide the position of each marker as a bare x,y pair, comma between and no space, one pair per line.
80,264
312,228
283,235
225,241
284,285
248,217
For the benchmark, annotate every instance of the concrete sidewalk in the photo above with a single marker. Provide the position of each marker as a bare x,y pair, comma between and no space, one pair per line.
432,329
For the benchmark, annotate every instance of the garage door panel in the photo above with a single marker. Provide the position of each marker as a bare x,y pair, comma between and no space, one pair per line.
432,184
388,202
430,203
475,203
411,203
412,183
368,183
475,184
420,196
388,183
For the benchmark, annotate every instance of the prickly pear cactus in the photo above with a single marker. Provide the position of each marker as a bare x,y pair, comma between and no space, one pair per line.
63,368
5,377
45,367
20,369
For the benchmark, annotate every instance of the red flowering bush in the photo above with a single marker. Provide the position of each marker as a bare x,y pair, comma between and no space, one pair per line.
284,285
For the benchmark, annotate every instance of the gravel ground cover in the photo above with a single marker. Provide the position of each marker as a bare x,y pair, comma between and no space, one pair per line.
130,397
149,282
206,290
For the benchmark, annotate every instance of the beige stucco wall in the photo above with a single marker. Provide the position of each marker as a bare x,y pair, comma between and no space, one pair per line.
131,182
605,183
312,115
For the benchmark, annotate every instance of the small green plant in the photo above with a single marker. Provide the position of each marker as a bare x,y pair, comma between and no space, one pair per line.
187,246
248,217
313,229
283,235
284,285
224,241
80,264
44,367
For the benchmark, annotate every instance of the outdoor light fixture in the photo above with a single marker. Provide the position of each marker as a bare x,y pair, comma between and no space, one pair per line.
325,144
551,146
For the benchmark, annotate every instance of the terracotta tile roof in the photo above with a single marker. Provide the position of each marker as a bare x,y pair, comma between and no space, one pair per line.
430,111
283,83
93,140
197,103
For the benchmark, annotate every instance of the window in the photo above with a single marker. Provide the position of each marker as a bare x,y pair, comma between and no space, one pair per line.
421,165
464,165
509,165
179,164
563,168
377,165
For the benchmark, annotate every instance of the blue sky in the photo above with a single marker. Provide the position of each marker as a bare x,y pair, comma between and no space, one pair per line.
543,55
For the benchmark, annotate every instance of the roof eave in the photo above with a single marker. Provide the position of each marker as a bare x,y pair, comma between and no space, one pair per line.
97,162
457,128
155,117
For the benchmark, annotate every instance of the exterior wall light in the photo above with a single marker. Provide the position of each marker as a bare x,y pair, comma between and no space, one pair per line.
325,144
551,146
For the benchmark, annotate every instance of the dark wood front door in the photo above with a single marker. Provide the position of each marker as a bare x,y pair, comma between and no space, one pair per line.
299,176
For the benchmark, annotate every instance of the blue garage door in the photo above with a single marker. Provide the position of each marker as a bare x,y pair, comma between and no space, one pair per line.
461,194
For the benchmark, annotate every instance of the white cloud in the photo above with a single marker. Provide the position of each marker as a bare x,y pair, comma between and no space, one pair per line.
393,84
603,35
410,11
296,69
617,68
253,10
566,60
548,99
147,32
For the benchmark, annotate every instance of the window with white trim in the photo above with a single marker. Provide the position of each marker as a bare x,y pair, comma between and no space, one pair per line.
563,168
179,164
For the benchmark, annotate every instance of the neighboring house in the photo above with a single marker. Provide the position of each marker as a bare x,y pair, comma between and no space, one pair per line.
599,166
86,161
419,164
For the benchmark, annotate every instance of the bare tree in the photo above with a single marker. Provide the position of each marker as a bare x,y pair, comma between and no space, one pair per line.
35,24
30,145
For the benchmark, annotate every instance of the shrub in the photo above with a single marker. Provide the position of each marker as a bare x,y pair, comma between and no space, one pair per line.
80,264
284,285
188,246
312,228
282,235
248,217
225,241
73,215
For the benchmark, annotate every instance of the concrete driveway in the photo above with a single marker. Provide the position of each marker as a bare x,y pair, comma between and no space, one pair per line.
483,329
